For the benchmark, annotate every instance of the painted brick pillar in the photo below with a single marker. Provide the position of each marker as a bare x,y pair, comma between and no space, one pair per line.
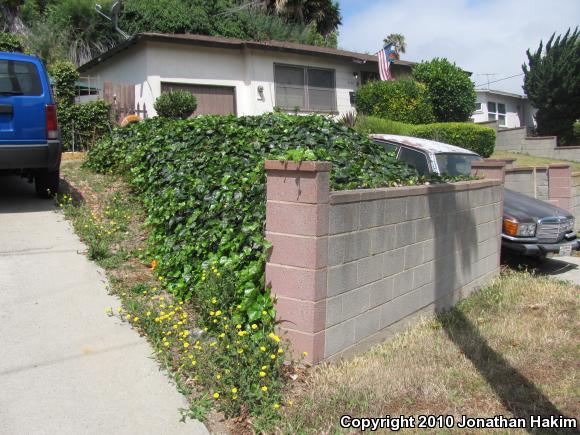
560,185
489,169
297,215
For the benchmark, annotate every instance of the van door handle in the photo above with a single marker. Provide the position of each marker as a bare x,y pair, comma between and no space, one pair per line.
6,109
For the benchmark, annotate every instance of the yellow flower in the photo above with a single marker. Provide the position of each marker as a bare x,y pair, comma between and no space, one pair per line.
216,395
254,326
264,313
218,313
290,403
264,388
135,319
274,337
214,301
234,397
262,348
272,356
148,313
280,351
276,406
234,390
193,362
264,367
211,313
305,353
238,326
218,377
186,344
262,374
222,335
240,350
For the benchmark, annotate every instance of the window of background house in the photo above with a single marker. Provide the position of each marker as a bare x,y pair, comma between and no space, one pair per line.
496,111
415,159
478,107
309,89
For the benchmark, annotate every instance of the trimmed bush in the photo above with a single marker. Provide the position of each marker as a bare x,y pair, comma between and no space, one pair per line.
476,138
372,124
451,91
398,100
473,137
87,122
175,105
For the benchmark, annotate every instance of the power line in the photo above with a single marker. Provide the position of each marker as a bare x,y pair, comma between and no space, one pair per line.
499,80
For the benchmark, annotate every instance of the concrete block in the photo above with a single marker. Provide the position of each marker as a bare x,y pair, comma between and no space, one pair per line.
428,250
299,251
405,234
393,262
355,302
298,186
339,337
367,324
372,213
394,210
416,207
370,269
413,255
403,283
422,274
297,218
336,248
334,311
299,283
344,218
382,239
357,245
381,292
428,294
424,229
305,342
342,278
300,315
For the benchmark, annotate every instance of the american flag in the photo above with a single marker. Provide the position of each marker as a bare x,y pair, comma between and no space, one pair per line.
386,57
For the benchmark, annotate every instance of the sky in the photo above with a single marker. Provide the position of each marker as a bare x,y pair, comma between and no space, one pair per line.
484,37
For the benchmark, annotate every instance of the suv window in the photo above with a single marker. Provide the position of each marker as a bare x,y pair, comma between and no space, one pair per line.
19,78
415,159
455,164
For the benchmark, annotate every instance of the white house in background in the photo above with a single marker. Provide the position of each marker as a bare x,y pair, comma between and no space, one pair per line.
511,110
241,77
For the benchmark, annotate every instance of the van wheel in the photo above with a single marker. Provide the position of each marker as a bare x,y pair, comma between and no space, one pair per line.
47,183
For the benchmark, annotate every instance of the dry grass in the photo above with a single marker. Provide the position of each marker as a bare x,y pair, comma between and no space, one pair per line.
512,349
69,155
526,160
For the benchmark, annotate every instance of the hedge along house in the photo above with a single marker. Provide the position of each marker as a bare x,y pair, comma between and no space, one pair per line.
239,77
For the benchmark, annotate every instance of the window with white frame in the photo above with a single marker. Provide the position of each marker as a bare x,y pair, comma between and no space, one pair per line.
305,88
478,108
496,111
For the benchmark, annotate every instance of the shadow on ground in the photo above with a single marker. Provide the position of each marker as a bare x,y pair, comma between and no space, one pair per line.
17,195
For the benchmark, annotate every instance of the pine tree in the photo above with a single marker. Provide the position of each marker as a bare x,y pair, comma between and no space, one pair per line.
552,84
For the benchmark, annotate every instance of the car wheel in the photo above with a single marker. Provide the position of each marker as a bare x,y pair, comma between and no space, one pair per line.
47,183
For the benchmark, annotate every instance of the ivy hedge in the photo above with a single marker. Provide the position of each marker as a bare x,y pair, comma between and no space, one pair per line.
203,185
477,138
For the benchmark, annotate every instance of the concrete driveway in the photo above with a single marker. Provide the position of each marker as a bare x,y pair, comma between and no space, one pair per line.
66,367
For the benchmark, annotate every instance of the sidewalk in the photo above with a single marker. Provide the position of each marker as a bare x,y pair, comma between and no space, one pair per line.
65,366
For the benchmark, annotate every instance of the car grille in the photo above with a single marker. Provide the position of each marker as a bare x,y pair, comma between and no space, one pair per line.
551,231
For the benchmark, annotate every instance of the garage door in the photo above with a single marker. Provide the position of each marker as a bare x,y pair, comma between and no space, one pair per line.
211,100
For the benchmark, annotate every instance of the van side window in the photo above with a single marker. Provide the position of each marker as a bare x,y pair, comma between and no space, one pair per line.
415,159
390,147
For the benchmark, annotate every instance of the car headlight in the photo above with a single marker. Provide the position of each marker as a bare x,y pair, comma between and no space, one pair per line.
512,227
568,225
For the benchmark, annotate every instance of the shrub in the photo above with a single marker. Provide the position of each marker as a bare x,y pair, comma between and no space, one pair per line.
175,105
476,138
450,89
473,137
399,100
65,76
11,43
83,124
372,124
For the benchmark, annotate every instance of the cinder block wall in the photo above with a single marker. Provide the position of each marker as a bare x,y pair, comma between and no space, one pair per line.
510,139
576,198
349,268
531,181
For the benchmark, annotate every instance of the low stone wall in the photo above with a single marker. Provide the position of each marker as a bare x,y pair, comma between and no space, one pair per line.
349,268
517,140
531,181
576,198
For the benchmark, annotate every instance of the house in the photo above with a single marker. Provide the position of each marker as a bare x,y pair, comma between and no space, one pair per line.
240,77
511,110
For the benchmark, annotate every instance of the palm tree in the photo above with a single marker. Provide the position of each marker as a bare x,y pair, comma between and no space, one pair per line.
398,42
325,14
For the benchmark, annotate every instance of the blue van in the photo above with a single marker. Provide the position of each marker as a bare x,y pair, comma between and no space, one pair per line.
29,135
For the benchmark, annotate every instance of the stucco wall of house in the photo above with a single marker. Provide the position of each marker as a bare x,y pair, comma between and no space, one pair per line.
129,68
244,70
516,109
